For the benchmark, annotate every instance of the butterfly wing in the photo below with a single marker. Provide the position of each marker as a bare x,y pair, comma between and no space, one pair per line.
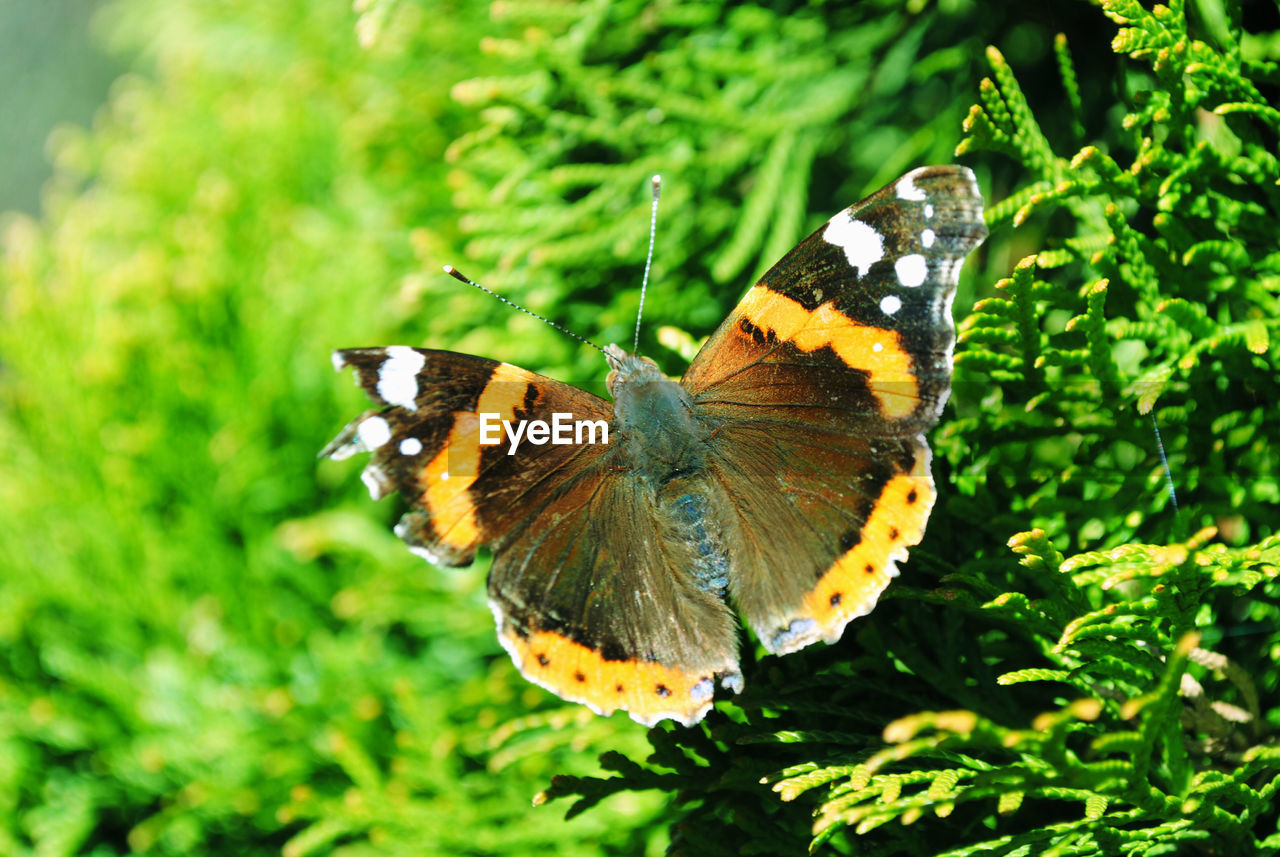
426,443
581,584
592,604
816,475
819,520
823,380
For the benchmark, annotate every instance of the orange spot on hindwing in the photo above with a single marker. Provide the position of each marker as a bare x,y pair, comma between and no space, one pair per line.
853,583
876,351
648,691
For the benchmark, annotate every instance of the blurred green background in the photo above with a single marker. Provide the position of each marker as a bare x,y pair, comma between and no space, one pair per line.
52,71
211,643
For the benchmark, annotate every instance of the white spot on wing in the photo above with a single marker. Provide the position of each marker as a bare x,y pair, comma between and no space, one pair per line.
798,634
344,445
410,446
398,377
890,304
346,451
877,347
907,188
863,246
911,270
927,238
973,182
373,433
426,553
928,209
338,360
376,481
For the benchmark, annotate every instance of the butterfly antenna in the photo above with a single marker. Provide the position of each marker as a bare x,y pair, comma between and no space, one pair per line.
1164,460
648,262
458,275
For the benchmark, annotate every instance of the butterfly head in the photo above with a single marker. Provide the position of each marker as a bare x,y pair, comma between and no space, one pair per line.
627,370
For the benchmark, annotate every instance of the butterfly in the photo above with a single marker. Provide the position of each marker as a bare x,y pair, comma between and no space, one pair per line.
777,483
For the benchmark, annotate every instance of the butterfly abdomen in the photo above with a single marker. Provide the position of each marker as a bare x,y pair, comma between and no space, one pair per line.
692,523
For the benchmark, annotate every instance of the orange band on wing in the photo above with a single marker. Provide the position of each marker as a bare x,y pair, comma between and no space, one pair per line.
852,585
648,691
877,352
447,479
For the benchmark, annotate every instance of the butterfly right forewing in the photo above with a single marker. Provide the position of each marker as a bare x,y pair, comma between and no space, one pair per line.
823,380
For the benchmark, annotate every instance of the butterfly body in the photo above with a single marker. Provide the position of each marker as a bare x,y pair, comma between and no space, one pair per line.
779,481
661,435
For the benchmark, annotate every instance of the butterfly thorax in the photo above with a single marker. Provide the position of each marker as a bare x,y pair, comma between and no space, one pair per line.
662,440
660,435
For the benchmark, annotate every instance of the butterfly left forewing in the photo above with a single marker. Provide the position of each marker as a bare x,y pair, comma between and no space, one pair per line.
427,443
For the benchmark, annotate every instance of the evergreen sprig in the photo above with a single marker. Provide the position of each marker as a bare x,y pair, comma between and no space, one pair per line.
1173,267
1109,698
1152,740
749,113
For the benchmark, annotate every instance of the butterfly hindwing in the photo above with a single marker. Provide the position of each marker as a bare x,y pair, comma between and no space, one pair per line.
592,604
841,511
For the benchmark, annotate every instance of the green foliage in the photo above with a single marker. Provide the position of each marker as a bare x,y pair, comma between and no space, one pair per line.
201,653
758,119
1159,308
207,644
1120,700
1120,752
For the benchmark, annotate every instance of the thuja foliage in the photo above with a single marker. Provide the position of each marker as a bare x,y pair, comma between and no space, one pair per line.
757,117
209,645
1094,669
1173,319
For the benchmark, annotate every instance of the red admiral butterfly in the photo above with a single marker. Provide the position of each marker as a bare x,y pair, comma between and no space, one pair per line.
781,479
